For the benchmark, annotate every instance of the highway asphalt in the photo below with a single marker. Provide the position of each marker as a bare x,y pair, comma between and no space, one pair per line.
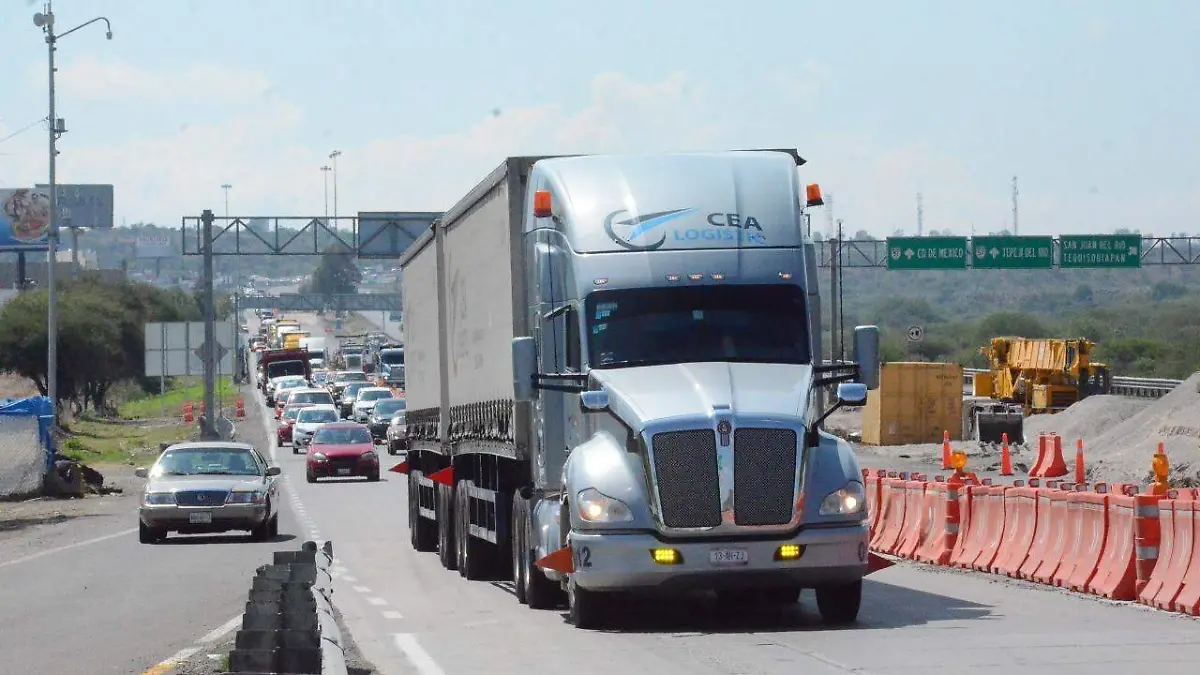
410,615
83,597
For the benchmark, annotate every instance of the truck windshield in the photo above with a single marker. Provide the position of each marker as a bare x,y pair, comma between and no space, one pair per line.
392,357
653,326
280,368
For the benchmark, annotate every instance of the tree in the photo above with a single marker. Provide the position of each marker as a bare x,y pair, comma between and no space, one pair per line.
336,274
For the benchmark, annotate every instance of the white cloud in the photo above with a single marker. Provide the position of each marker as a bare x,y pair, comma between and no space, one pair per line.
808,80
96,78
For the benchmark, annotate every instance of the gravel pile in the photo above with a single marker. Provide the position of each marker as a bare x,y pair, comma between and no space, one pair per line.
1087,419
1123,452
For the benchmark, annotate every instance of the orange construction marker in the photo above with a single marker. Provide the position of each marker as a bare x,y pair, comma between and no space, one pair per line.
1080,474
1006,468
946,451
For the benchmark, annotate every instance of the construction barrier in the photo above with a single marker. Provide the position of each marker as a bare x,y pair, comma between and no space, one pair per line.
1107,540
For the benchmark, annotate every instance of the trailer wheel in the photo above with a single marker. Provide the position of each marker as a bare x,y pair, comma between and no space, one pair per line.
839,604
588,608
472,552
422,532
445,526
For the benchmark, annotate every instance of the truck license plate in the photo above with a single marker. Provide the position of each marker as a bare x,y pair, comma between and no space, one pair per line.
343,472
729,556
200,518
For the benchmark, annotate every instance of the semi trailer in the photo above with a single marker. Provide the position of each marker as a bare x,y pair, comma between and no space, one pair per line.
614,386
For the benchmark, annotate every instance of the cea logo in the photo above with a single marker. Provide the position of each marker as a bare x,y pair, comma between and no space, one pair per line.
638,233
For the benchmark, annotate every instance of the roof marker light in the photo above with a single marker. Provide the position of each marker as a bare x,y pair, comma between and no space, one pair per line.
785,275
600,282
542,204
672,277
718,276
695,276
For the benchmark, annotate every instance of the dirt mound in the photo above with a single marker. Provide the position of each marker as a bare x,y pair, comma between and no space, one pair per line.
1087,419
1124,451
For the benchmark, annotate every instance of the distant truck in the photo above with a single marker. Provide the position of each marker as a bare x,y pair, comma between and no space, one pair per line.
614,386
279,362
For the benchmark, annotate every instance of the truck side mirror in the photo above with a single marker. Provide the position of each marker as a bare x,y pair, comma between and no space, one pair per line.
524,360
852,394
866,355
141,472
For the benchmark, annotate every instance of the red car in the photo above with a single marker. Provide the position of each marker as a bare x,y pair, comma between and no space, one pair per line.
283,433
342,450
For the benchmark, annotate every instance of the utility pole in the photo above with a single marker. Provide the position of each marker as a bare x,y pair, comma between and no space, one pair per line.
208,431
1016,223
920,216
333,156
56,126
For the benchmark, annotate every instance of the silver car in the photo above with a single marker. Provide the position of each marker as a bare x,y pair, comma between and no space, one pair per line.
209,487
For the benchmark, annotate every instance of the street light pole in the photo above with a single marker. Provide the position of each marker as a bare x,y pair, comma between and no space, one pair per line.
45,21
325,171
333,156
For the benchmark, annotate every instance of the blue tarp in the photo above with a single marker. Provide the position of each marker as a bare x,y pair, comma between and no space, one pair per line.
40,407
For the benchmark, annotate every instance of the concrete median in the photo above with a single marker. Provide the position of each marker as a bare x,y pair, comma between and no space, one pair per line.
289,624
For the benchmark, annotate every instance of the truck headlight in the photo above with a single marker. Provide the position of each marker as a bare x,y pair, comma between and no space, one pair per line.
596,507
848,500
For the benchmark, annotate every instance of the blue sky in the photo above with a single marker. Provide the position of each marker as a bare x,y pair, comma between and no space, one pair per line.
1091,103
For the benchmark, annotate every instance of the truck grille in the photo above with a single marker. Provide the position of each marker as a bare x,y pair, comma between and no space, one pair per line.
201,497
764,475
685,463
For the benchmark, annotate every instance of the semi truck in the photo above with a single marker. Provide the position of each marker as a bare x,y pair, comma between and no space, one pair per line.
614,385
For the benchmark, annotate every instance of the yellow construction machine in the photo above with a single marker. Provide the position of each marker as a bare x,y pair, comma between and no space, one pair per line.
1030,376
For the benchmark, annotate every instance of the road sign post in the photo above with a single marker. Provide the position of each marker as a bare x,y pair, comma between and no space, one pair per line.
1100,250
927,253
1004,252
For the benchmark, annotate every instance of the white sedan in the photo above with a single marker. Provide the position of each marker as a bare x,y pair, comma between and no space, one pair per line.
308,420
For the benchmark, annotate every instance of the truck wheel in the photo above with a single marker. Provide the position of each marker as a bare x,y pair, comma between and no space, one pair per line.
540,591
423,532
587,607
839,604
517,546
473,553
445,526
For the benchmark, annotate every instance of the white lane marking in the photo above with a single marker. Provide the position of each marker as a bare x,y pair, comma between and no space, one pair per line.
378,602
392,614
220,631
361,589
68,547
420,659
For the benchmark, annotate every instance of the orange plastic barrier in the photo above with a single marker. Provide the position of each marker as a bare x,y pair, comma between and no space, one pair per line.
1088,530
871,480
966,496
1175,564
1188,600
1116,573
942,507
891,517
1043,530
992,516
189,414
1147,536
1020,526
1058,536
915,517
1050,461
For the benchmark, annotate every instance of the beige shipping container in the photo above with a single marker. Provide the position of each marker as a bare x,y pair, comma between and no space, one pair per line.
915,403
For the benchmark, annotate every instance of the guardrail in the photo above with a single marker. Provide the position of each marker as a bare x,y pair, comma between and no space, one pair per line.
288,625
1133,387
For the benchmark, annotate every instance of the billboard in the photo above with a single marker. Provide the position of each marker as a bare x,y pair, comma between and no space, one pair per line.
24,220
86,206
155,246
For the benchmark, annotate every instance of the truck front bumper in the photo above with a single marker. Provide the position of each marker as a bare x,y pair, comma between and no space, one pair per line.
621,561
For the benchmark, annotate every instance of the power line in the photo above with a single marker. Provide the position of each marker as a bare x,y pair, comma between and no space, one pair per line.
23,129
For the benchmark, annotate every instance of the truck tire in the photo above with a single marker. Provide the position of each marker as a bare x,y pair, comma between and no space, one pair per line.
445,526
517,545
422,532
473,553
588,608
540,592
839,604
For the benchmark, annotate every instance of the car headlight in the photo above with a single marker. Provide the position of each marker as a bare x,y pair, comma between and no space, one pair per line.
319,457
246,497
158,498
596,507
848,500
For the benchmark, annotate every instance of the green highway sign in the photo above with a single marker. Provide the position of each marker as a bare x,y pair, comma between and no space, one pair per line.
1100,250
999,252
927,253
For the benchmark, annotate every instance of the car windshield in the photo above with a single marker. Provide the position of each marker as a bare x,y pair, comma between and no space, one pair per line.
375,394
352,377
311,397
320,378
290,412
392,356
206,462
352,389
738,323
342,436
289,384
319,416
398,418
389,406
